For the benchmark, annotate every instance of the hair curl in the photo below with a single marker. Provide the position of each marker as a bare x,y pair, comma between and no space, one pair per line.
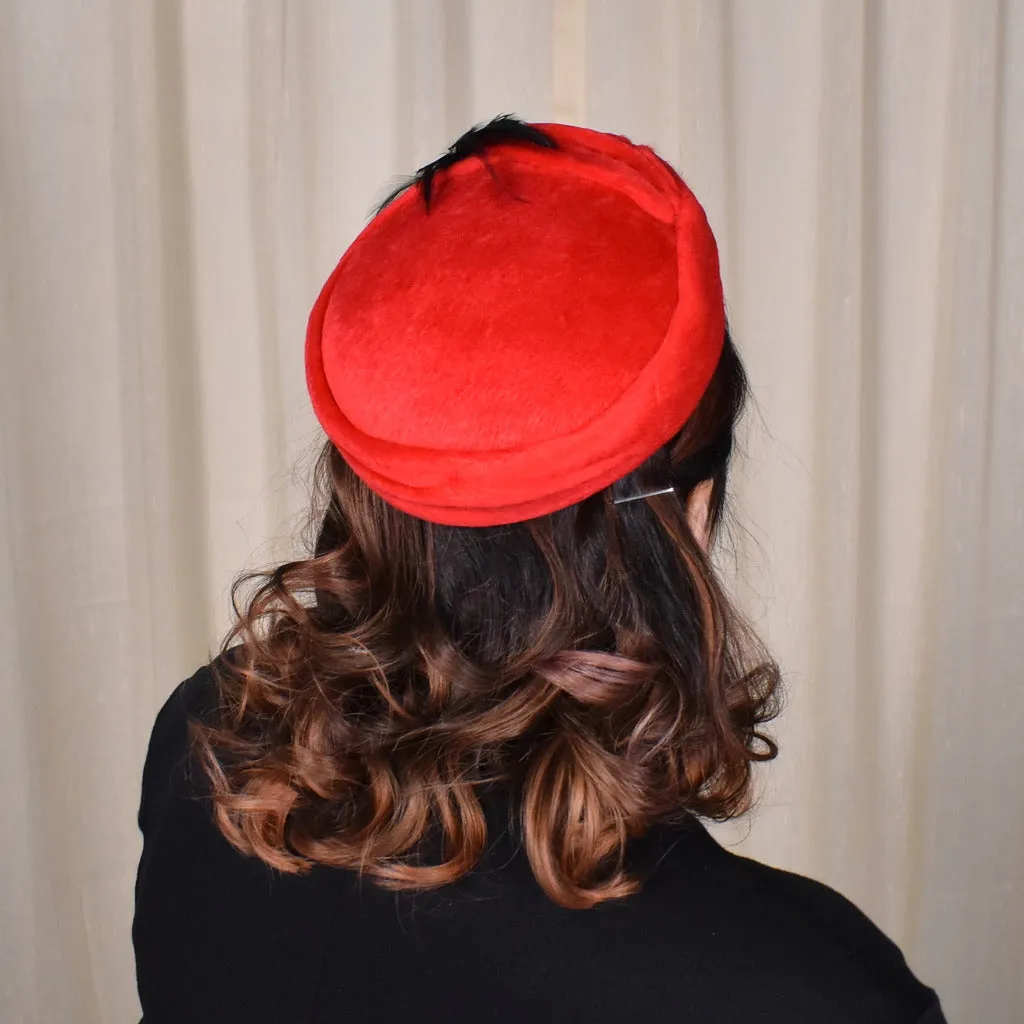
587,662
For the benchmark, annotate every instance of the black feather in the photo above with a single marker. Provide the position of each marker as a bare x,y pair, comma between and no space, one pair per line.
501,130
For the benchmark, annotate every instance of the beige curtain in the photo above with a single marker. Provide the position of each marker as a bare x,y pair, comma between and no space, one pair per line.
177,179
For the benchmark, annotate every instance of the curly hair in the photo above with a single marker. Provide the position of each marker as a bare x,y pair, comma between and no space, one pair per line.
586,662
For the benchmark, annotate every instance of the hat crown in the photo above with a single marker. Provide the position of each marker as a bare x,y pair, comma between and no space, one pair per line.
536,330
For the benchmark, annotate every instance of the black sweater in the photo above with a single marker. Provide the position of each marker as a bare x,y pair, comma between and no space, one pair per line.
711,938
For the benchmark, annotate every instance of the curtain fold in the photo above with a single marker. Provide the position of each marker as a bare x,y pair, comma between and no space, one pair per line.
176,181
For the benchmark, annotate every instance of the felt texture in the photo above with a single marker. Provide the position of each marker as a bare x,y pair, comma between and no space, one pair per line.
543,327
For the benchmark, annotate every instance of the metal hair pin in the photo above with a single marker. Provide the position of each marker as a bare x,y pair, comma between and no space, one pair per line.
645,494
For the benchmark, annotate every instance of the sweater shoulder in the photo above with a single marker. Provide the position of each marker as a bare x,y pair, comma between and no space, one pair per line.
826,946
217,935
169,766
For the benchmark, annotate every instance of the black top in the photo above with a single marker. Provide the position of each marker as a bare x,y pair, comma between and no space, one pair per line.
712,937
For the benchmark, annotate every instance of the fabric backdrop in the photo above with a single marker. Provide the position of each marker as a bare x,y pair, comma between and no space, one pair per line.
176,181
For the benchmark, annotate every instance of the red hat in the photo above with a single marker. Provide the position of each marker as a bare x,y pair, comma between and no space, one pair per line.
522,329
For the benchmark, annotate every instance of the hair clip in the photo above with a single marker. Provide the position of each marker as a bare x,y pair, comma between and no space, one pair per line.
644,494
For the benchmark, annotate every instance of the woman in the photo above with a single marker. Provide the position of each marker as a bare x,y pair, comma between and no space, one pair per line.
452,766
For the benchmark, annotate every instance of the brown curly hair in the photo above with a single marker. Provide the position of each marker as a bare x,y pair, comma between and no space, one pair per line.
587,663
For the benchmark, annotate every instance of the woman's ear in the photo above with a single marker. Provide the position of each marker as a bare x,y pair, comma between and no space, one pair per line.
698,512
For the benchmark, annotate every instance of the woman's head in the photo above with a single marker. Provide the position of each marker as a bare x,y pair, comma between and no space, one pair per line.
585,662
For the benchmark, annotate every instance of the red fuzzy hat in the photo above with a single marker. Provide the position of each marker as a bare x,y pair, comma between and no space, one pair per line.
523,327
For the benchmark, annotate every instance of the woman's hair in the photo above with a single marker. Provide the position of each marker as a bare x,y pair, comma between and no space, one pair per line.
587,663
